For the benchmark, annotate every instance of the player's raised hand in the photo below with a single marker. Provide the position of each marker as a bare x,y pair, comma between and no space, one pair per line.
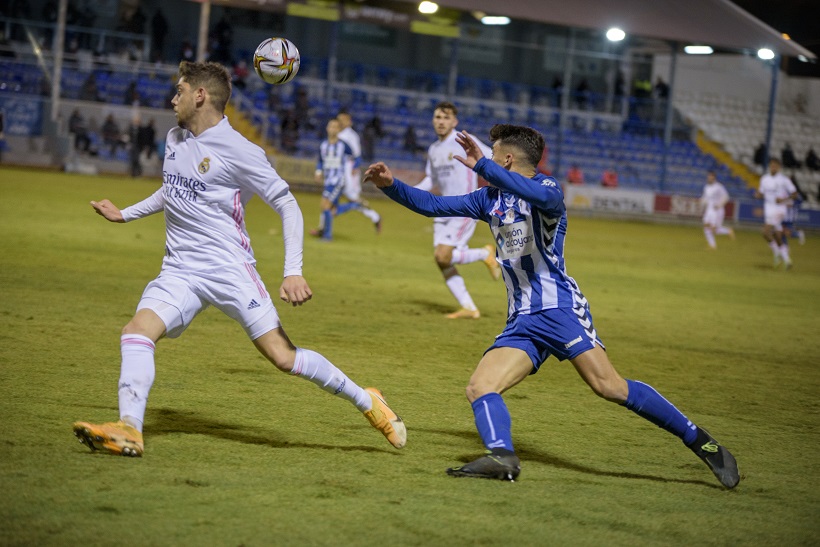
472,153
379,174
108,210
295,290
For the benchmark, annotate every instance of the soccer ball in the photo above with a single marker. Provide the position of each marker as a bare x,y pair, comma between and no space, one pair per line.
276,60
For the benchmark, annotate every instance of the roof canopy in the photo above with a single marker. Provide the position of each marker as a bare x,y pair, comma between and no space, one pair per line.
718,23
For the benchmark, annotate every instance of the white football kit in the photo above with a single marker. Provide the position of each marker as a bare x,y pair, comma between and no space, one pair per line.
453,179
714,199
774,187
353,184
207,182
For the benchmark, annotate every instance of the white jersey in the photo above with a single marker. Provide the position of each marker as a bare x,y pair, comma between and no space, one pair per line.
207,182
774,187
714,195
451,176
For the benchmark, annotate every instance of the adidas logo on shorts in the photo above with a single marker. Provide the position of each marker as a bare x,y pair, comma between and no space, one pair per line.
253,304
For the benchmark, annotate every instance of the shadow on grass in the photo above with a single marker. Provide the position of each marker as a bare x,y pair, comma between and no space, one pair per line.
433,307
529,454
164,421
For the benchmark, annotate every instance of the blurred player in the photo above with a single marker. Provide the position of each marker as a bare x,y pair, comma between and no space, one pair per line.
210,172
330,171
790,229
714,201
353,184
776,190
548,315
452,235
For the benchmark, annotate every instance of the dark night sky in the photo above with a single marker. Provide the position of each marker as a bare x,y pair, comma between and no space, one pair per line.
800,19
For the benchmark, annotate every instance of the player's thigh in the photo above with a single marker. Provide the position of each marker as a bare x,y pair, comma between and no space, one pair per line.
239,292
171,296
499,370
710,217
597,371
453,232
773,216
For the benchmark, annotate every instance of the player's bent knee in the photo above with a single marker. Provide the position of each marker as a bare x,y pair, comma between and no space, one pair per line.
615,391
476,391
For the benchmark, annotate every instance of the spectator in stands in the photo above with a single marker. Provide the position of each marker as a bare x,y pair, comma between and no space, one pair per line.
134,147
159,28
239,74
111,134
186,53
760,155
582,94
290,131
812,161
132,96
557,91
302,110
575,175
372,133
78,128
146,139
661,89
609,178
411,143
788,158
89,91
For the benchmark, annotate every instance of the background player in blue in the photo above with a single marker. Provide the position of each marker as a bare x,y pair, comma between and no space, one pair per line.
548,315
330,170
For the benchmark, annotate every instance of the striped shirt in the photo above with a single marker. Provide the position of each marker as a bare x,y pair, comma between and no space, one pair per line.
528,221
332,158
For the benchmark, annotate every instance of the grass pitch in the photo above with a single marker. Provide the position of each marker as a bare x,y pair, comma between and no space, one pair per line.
240,454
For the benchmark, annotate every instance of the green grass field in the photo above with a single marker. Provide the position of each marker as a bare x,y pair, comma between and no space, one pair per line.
238,453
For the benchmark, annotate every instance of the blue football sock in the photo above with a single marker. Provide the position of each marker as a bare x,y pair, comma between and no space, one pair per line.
647,403
492,419
328,232
345,207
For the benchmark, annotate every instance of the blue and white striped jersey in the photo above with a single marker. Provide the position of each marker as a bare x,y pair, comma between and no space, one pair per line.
332,158
529,223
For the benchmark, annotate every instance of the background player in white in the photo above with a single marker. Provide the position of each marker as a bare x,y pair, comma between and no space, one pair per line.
548,314
776,189
451,236
209,174
714,200
353,184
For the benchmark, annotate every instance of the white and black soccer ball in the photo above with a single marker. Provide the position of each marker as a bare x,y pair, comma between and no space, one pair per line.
276,60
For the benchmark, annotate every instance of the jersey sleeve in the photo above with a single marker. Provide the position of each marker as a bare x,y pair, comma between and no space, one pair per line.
472,205
150,205
545,195
293,232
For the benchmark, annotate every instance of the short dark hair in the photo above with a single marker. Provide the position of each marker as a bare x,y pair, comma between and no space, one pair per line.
212,76
526,139
445,105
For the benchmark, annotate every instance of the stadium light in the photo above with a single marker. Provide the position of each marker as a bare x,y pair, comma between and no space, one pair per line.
698,50
428,7
765,53
615,34
495,20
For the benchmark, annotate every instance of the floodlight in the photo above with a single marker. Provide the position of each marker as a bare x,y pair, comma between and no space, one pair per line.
428,7
615,34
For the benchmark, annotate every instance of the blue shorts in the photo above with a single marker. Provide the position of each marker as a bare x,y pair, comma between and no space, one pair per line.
562,332
333,191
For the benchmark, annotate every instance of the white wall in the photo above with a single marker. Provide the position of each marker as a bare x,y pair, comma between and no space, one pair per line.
739,76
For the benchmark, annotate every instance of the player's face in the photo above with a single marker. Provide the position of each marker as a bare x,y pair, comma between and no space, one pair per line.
333,128
774,167
344,120
500,155
710,178
184,103
444,121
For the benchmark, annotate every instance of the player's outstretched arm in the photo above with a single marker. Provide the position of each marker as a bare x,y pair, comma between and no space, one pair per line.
379,174
472,152
108,210
295,290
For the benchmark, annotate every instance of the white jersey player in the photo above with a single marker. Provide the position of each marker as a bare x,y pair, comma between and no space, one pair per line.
776,189
209,174
452,235
353,172
714,200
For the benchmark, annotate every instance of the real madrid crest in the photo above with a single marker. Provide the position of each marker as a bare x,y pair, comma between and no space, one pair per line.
204,165
450,156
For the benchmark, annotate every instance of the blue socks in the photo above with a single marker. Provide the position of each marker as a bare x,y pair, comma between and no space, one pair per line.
328,224
647,403
345,207
492,419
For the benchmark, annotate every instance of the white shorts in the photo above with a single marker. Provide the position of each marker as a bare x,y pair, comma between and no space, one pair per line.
714,217
773,215
177,296
453,231
353,185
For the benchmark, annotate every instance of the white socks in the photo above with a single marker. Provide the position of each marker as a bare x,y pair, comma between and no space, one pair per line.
468,256
784,252
370,213
136,377
710,238
456,285
312,366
